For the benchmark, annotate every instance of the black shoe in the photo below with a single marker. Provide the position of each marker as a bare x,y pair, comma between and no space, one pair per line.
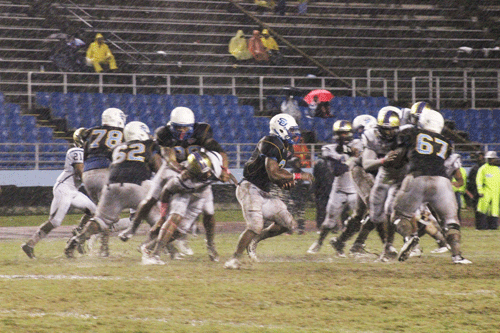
30,252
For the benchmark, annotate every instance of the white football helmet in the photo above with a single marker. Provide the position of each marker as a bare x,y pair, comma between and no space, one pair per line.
113,117
181,123
417,109
363,122
284,126
136,131
431,120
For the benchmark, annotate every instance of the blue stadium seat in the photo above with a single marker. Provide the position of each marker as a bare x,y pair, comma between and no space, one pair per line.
42,99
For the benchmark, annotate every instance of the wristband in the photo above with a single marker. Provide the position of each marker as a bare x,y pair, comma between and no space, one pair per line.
297,176
382,161
226,170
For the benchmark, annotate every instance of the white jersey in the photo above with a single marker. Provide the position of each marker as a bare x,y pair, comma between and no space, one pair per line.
452,164
73,156
342,183
374,142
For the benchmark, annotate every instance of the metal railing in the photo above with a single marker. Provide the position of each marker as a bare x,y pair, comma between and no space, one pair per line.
475,87
51,156
242,86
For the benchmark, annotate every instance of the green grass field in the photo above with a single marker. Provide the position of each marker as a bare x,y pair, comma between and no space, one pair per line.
288,291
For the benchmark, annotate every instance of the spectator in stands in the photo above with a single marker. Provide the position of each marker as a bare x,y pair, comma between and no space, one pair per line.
273,50
472,187
99,53
256,48
263,5
320,109
238,46
488,189
302,152
66,56
291,106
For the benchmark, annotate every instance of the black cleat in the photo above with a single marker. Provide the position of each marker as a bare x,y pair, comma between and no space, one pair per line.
30,252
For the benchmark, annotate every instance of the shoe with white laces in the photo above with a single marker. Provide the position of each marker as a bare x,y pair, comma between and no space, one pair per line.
251,250
338,246
458,259
408,246
442,249
232,263
315,247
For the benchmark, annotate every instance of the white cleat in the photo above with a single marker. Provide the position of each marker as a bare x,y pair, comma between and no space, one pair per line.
443,249
416,252
152,260
314,248
458,259
184,248
232,263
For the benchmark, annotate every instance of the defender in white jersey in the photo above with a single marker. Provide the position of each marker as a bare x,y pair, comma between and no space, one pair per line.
187,194
379,153
66,195
343,194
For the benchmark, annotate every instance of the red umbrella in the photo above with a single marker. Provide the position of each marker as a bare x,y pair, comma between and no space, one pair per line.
323,96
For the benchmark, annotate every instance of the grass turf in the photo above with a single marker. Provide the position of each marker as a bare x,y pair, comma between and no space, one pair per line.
288,291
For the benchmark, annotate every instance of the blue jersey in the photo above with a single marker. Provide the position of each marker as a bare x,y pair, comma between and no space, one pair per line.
99,144
255,168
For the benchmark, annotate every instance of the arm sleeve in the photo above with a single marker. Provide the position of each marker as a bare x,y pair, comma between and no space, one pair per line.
479,180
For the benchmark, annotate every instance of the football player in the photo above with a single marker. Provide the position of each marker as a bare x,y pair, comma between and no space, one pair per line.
66,195
427,182
343,194
179,138
98,143
186,194
133,163
266,166
379,154
363,182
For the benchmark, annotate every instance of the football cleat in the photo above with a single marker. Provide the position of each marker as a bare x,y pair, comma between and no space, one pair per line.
126,234
30,251
315,247
408,246
359,250
416,252
338,246
458,259
251,250
442,249
69,250
184,248
212,253
152,260
232,263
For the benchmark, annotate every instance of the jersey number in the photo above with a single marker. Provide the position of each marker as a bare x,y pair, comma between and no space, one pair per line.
111,138
134,154
425,145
